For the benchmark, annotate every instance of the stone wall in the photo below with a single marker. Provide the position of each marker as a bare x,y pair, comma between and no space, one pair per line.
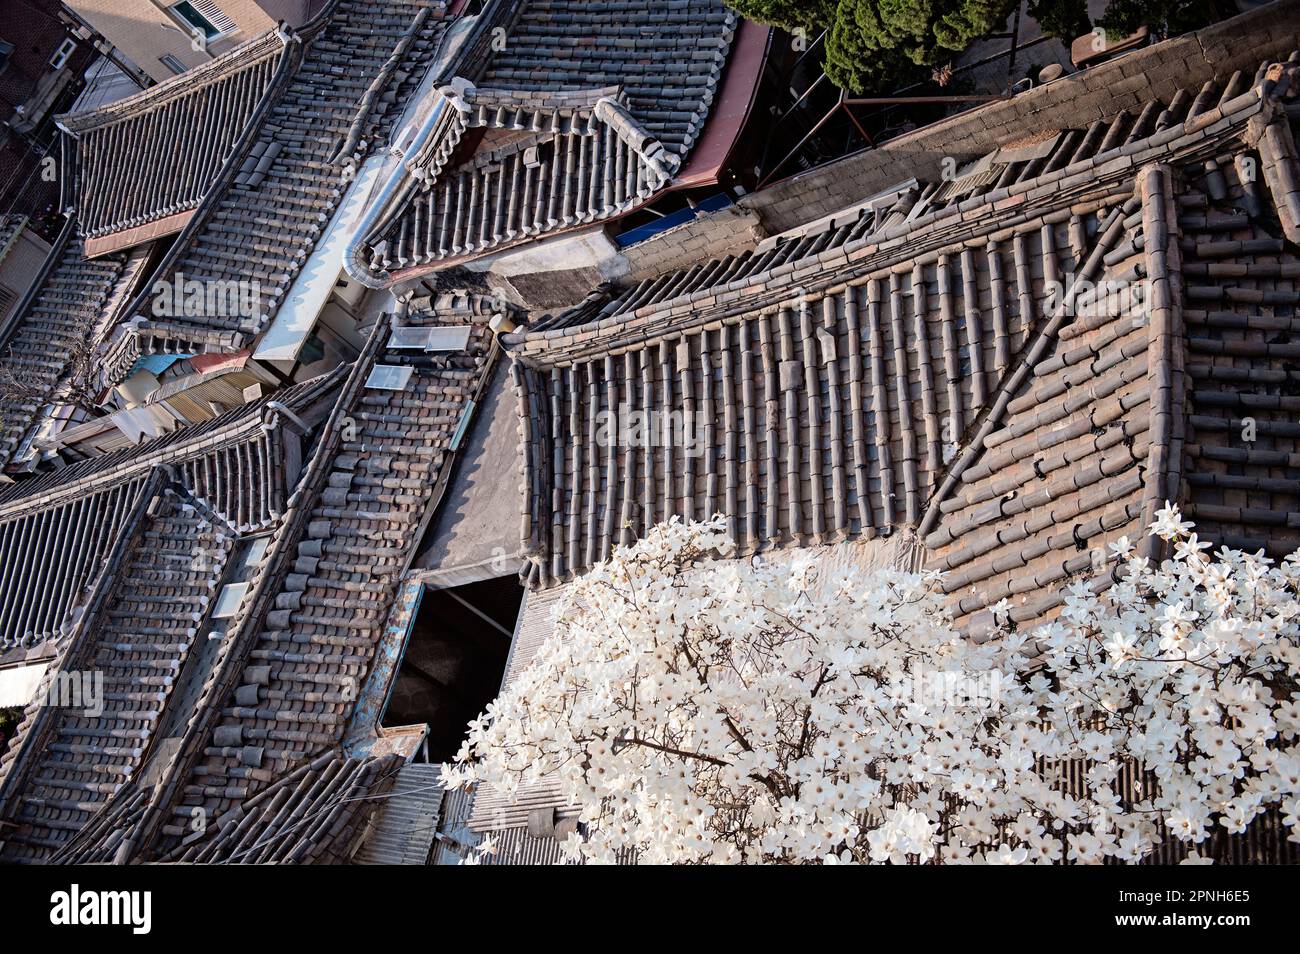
728,231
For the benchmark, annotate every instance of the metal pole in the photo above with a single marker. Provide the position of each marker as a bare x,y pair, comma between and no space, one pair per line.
885,100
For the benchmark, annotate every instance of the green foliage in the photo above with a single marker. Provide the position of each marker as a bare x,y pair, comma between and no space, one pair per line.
1064,19
811,15
1162,17
871,43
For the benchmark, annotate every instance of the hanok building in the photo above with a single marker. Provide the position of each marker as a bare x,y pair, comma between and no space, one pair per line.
239,591
260,560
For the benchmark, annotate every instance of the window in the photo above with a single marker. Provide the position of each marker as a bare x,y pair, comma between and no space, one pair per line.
442,338
247,556
389,377
62,53
203,16
228,600
173,64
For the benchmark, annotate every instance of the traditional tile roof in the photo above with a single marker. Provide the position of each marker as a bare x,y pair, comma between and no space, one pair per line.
56,530
144,163
61,315
586,112
1012,367
315,814
284,683
315,632
667,57
1242,288
262,220
910,366
278,693
138,642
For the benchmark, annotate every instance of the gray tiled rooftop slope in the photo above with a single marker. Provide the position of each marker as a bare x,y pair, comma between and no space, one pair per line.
147,629
331,593
313,815
1156,72
262,228
911,369
665,55
154,154
60,318
585,114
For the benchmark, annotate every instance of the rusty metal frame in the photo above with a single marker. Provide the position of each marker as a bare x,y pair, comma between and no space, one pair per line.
846,102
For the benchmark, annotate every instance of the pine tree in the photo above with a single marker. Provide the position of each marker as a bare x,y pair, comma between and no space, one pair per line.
1064,19
1162,17
870,41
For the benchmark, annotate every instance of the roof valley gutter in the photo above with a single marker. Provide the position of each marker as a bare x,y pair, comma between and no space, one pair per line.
470,59
67,174
467,57
282,550
393,193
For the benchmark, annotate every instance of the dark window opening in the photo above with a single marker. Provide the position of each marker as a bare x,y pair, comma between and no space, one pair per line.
187,12
454,660
10,718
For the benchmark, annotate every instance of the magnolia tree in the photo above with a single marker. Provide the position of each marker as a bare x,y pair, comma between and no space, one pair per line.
722,711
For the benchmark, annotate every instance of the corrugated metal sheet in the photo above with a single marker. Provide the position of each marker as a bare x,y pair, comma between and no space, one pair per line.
455,840
514,846
402,829
493,811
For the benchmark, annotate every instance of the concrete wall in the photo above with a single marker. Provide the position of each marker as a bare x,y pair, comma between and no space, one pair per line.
144,30
1128,82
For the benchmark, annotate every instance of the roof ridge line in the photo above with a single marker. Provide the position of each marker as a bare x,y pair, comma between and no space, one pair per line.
1117,164
192,81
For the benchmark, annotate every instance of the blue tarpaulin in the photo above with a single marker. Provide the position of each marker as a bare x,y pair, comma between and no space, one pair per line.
157,363
680,217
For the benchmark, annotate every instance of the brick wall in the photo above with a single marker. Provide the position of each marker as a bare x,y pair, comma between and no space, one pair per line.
1127,82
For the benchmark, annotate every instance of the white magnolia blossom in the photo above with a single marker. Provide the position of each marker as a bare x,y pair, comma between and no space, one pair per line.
721,711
